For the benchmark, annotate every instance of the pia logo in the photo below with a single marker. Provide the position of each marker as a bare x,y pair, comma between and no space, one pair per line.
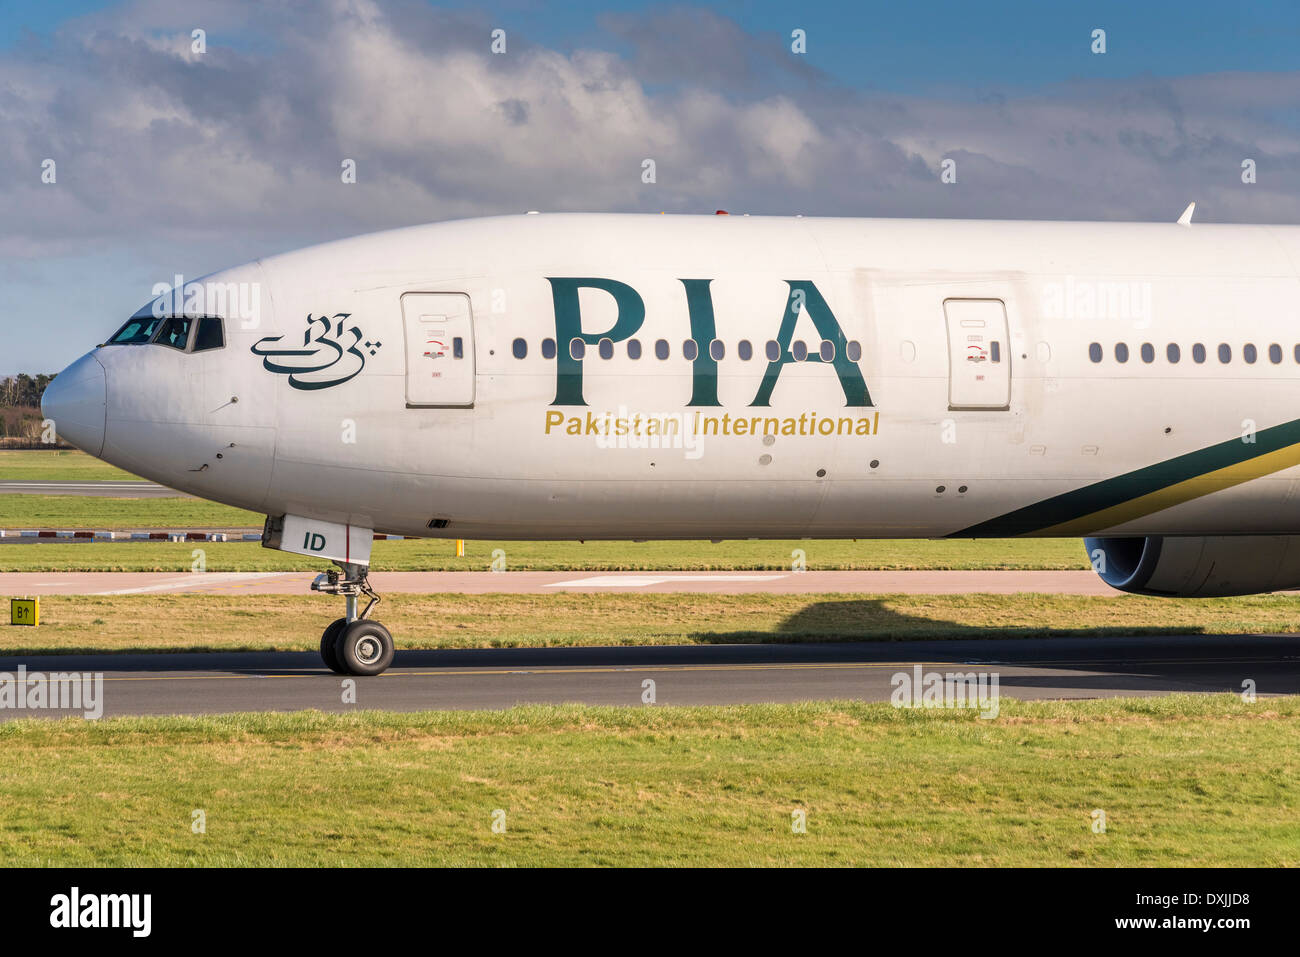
331,353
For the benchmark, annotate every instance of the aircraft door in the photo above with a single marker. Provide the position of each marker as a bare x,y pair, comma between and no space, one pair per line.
439,350
979,357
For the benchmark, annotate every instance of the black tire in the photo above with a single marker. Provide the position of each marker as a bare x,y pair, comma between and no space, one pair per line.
364,648
329,643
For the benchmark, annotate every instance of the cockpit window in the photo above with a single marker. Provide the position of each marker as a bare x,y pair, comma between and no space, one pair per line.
210,335
175,332
138,330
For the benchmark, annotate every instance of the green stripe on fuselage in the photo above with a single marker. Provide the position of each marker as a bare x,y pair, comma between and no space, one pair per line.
1080,502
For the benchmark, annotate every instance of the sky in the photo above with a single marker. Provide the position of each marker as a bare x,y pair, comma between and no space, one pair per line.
169,160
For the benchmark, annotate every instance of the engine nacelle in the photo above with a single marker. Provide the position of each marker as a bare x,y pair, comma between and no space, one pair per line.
1200,567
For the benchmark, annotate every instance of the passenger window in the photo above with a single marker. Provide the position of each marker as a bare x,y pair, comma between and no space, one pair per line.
744,350
520,348
1094,352
854,351
577,348
634,348
1198,353
717,350
995,351
1148,352
661,349
211,335
1275,353
1248,353
690,350
138,330
1172,352
457,347
606,348
800,351
1121,352
174,332
1225,352
773,350
548,348
828,351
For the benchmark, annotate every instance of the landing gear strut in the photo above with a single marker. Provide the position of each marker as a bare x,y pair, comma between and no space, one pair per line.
353,645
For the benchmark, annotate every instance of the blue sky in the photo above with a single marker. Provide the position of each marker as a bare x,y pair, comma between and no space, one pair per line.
170,162
905,47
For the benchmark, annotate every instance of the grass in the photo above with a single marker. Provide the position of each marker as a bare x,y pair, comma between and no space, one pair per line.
92,512
57,465
1183,781
136,623
437,555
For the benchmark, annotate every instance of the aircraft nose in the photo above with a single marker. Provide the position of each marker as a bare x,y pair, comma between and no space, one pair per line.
77,403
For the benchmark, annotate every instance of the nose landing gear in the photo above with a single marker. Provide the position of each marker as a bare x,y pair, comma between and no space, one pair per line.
353,645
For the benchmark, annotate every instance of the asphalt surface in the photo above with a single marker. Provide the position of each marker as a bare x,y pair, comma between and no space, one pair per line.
114,489
691,675
479,583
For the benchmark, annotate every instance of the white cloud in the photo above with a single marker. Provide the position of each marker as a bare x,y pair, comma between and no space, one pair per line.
245,142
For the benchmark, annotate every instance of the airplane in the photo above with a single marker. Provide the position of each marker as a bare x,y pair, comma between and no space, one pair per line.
632,376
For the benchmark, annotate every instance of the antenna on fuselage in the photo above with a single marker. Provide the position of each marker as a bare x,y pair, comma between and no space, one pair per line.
1186,218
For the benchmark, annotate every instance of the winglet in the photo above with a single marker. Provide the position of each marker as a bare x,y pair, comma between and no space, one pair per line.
1186,218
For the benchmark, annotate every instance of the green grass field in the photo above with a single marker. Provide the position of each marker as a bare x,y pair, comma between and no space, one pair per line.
294,622
76,511
1205,781
56,465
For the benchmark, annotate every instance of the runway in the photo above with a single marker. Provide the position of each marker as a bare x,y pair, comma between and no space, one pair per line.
690,675
479,583
115,489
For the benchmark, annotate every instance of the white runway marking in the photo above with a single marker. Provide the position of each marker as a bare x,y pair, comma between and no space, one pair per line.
196,581
641,581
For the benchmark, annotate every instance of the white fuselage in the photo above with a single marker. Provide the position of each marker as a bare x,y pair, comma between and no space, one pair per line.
966,421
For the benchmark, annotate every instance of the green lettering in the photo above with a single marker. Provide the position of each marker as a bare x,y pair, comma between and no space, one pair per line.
568,326
828,327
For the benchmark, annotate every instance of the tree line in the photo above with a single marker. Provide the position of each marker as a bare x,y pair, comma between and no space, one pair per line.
20,412
23,390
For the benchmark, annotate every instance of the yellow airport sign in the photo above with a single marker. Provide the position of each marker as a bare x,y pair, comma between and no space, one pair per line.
25,611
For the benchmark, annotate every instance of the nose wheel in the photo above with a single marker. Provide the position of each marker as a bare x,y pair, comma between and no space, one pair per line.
354,644
328,640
